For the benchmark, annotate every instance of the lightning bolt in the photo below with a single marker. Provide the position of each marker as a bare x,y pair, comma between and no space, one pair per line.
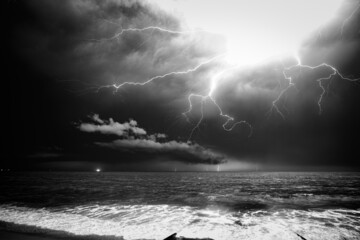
228,117
214,81
282,92
192,95
320,80
209,96
118,86
197,125
348,19
334,72
152,28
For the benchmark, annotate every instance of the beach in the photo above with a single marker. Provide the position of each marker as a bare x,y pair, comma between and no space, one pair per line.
225,205
7,235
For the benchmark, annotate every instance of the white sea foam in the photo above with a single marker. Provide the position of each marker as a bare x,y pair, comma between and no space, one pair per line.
159,221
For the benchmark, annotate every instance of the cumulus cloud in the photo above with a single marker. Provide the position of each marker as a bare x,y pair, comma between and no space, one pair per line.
97,118
111,127
136,139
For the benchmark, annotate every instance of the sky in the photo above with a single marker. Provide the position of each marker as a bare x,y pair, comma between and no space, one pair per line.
180,85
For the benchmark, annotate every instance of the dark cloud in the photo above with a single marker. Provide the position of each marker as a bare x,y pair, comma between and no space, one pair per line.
178,151
65,55
337,42
45,155
74,41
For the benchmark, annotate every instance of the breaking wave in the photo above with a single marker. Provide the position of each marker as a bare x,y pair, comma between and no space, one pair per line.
159,221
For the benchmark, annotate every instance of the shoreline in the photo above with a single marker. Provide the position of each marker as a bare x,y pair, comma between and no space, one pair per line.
11,235
12,231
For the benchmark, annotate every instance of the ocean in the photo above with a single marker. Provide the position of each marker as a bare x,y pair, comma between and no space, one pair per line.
216,205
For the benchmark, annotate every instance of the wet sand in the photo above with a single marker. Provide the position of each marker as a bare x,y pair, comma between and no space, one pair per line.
20,231
7,235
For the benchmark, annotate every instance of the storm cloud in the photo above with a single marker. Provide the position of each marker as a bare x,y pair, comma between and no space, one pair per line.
66,57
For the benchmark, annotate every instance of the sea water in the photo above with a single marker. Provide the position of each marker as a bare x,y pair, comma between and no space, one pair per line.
217,205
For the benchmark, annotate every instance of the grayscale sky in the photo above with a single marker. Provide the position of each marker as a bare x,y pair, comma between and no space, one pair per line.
188,85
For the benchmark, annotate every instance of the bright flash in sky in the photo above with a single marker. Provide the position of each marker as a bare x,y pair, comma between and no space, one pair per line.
255,30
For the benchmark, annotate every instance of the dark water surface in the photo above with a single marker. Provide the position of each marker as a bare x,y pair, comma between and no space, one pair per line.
220,205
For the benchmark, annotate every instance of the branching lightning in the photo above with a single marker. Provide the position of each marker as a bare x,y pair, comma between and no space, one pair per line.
197,125
192,95
209,96
334,72
152,28
214,81
282,92
118,86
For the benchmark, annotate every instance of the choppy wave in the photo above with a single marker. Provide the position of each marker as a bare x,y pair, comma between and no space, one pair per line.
231,191
159,221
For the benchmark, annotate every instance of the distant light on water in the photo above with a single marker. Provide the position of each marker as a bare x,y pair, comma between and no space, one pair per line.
98,170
